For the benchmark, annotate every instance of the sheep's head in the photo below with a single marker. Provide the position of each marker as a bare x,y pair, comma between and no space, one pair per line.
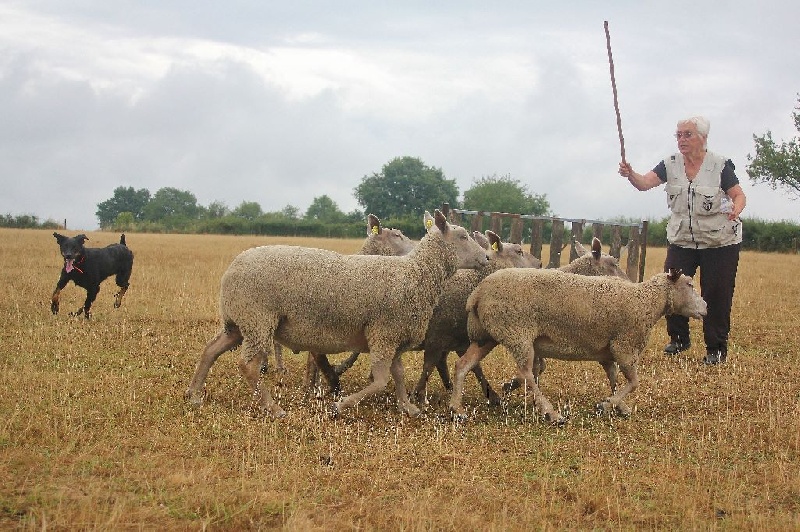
470,254
508,254
683,298
595,262
385,241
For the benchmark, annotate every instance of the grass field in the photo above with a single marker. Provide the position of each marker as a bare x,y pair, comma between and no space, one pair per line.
94,432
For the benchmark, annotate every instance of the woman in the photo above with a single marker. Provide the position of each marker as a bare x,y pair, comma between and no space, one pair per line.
704,230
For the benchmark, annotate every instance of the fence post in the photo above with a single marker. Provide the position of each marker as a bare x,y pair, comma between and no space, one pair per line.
616,241
477,223
597,231
643,249
556,242
516,229
632,268
537,228
577,236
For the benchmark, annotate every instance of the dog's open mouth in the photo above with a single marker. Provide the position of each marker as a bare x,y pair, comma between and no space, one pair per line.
68,266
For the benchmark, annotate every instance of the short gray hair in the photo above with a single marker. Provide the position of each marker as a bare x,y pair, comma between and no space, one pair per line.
701,123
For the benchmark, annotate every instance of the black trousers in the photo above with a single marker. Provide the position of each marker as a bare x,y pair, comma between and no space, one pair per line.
717,281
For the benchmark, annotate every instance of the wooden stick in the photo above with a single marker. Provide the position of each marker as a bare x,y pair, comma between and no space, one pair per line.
614,89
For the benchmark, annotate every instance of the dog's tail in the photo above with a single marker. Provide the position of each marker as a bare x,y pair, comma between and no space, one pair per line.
122,239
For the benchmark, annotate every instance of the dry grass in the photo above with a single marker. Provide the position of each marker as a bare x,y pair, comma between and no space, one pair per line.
94,432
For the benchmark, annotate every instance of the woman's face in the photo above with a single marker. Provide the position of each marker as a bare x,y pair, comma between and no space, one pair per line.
689,140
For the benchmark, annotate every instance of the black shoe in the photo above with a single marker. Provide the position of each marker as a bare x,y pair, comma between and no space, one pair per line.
676,346
714,357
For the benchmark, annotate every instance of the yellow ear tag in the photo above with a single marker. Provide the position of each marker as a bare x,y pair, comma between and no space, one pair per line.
374,229
494,246
428,223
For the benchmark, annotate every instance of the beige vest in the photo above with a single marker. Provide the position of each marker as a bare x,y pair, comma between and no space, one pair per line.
699,208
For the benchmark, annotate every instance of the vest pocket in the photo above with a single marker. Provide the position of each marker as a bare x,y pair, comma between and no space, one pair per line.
674,193
707,200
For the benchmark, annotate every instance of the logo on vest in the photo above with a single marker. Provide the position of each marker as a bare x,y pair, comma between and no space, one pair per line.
707,204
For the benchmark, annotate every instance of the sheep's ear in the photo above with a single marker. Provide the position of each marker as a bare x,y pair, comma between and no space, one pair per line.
579,249
494,241
441,220
674,274
481,239
428,220
373,225
597,248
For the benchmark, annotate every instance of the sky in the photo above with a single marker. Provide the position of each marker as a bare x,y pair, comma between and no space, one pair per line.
282,102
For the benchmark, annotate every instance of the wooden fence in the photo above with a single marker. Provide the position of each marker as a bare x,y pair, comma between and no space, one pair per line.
637,235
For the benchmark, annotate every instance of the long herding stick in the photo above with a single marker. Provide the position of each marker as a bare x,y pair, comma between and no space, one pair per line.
614,89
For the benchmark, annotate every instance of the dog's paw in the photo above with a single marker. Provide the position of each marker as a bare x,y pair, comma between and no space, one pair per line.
54,307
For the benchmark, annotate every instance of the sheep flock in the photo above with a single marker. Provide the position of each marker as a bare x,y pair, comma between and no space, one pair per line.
451,291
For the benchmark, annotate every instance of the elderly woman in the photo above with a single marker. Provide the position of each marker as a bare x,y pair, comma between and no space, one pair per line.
704,230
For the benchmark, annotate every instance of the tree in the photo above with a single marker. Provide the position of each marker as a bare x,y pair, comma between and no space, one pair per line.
216,209
777,165
405,187
504,194
125,199
170,202
324,209
249,210
291,212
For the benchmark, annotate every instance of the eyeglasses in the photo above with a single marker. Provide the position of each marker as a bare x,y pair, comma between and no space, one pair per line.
684,134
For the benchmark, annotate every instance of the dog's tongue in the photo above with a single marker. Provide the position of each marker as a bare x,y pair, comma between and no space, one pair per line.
68,265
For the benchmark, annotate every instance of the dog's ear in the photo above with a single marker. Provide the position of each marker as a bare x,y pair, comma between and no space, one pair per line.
59,238
82,237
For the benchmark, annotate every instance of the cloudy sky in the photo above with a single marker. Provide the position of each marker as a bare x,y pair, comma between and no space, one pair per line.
280,102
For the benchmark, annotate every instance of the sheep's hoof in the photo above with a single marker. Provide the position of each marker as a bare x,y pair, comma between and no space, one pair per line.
602,409
623,410
195,398
458,417
555,419
334,410
411,410
493,399
276,412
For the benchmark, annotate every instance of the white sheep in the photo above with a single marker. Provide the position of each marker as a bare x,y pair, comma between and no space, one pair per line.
591,263
552,314
594,262
324,302
447,330
379,241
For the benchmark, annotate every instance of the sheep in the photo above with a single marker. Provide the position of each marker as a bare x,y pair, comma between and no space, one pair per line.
379,241
591,263
447,330
324,302
594,262
552,314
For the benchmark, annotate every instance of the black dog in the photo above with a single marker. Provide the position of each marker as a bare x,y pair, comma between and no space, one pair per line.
88,267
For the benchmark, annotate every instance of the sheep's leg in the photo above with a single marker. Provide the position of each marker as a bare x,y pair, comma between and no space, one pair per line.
346,363
324,367
228,339
615,401
431,359
491,396
400,387
279,367
312,374
611,369
250,365
517,382
526,362
380,378
474,354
